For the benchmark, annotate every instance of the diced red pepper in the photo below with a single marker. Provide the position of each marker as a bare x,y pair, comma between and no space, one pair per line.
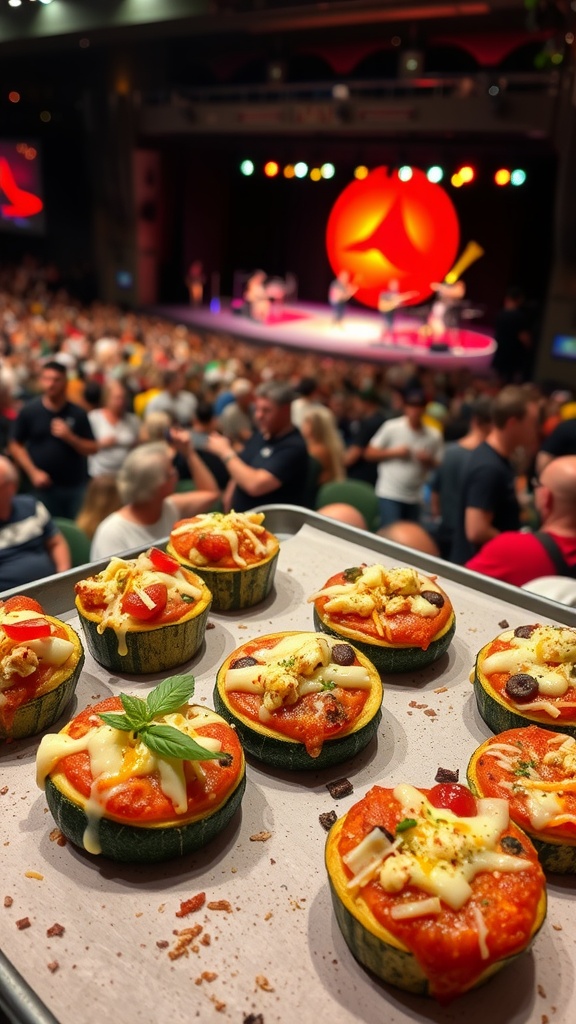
132,603
27,629
162,561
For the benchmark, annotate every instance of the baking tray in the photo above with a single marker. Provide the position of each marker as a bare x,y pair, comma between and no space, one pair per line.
277,952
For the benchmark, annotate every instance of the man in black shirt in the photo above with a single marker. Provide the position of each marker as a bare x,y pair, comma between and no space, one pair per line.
51,441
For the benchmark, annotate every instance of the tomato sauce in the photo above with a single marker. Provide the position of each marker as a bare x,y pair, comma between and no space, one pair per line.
141,799
175,609
303,721
498,682
532,743
402,628
446,944
216,548
26,688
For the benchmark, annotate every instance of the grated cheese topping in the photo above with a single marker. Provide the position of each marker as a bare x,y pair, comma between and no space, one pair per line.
543,799
548,654
21,658
236,527
378,592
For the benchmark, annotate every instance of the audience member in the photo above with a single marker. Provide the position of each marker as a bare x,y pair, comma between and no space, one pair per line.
411,535
518,557
101,498
488,501
447,478
513,339
344,514
174,399
405,450
115,429
562,441
274,463
150,507
235,420
51,442
366,417
324,443
307,398
31,545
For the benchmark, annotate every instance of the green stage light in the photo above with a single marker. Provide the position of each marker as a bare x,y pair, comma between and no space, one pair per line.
247,168
405,173
435,174
301,169
327,170
518,176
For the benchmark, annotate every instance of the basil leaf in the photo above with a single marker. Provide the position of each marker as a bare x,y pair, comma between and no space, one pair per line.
405,824
170,695
170,742
117,721
136,710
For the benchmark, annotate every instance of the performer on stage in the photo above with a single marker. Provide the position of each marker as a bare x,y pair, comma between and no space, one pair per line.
195,281
256,297
389,301
442,312
341,289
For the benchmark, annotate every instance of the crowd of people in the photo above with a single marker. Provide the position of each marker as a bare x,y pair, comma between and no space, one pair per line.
126,423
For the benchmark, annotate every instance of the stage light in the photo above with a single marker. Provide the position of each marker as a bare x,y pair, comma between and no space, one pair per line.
360,172
435,174
300,169
316,174
456,180
518,176
466,174
405,173
502,176
14,96
327,170
288,171
14,3
247,168
271,169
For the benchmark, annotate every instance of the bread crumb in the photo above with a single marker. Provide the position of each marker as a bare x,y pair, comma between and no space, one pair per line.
263,983
541,991
53,966
220,905
185,939
253,1018
260,837
24,922
268,915
54,930
504,624
34,874
162,943
218,1004
441,689
205,940
189,906
208,975
415,704
556,927
56,836
8,901
430,712
3,791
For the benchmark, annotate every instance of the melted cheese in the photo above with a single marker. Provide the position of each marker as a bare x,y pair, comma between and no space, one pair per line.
548,655
544,802
117,756
378,591
235,527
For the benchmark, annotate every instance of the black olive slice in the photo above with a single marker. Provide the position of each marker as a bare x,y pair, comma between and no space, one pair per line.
433,597
244,662
343,654
512,845
524,632
522,687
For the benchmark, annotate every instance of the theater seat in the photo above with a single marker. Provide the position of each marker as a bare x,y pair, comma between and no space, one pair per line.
77,541
351,492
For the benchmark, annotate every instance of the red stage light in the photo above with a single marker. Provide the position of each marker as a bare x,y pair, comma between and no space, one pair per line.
381,229
271,169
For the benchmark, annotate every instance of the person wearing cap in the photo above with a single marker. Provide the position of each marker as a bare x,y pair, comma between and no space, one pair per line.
405,450
235,420
273,466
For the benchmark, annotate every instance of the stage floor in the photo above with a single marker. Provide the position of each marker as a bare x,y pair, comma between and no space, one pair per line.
311,328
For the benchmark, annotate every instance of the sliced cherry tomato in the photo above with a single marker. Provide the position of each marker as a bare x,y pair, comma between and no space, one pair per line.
454,797
162,561
22,604
132,603
27,629
213,547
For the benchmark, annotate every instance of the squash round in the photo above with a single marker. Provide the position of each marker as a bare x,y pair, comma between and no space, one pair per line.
557,854
234,589
374,946
500,714
281,751
53,697
390,658
150,648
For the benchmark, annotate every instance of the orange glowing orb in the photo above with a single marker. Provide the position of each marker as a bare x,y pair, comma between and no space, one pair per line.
382,229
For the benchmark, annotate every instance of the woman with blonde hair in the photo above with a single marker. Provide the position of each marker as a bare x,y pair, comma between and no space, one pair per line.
324,443
101,498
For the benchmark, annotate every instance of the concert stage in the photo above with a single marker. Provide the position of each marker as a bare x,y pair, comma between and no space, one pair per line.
310,327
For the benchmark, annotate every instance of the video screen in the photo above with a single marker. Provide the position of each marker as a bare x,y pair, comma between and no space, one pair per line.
564,346
21,188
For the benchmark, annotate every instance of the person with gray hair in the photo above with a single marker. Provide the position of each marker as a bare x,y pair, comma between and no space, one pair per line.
146,483
273,465
31,545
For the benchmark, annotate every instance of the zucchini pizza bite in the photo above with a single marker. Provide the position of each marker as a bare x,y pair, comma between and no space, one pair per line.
144,614
400,619
143,780
535,770
233,552
40,662
300,700
526,676
434,890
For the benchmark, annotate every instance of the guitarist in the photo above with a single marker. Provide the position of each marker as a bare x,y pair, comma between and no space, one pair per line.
388,302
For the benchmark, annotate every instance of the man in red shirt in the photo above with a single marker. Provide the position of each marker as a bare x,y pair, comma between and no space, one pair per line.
517,557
